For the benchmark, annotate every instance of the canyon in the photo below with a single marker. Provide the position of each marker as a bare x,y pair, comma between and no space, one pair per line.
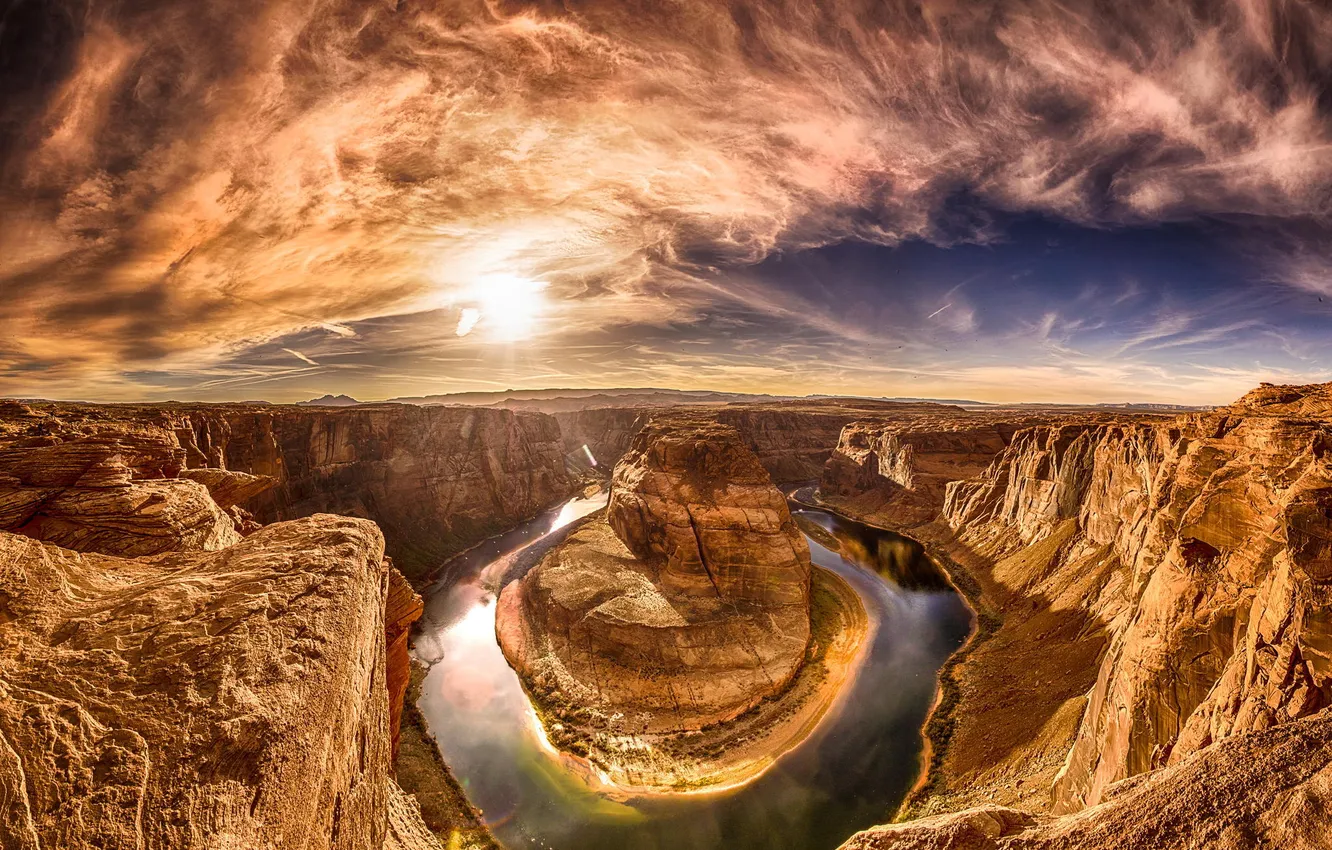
206,610
684,607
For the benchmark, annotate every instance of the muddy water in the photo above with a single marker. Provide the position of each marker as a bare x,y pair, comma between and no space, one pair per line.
851,773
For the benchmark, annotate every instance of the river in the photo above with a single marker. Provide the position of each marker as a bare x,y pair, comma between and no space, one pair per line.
851,773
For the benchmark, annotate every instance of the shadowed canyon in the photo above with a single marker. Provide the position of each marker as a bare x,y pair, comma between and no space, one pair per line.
207,614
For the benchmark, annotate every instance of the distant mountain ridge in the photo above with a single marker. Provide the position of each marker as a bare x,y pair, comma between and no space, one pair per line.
330,400
560,400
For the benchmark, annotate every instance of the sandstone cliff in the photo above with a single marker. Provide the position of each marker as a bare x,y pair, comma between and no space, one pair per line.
1201,550
606,431
402,607
226,694
685,606
436,479
792,440
900,468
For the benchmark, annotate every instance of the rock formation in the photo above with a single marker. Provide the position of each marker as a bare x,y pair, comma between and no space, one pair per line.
1216,526
218,699
402,607
792,440
221,693
606,431
436,479
685,606
1148,587
901,468
111,488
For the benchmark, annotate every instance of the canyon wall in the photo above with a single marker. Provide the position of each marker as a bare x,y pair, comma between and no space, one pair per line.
1268,789
606,431
1211,534
436,479
792,440
900,469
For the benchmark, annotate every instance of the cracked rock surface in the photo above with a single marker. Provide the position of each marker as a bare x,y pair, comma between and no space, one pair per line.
205,699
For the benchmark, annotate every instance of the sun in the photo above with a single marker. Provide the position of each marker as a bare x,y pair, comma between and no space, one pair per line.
506,308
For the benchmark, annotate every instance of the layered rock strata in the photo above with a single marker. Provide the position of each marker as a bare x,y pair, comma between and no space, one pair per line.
792,440
895,469
221,693
685,606
436,479
1147,588
902,468
113,488
1216,534
402,607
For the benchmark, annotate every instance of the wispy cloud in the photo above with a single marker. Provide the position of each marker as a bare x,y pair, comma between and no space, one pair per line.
181,181
300,356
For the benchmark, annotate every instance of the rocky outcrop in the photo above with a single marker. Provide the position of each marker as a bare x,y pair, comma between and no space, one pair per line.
217,699
229,488
690,498
1210,534
436,479
112,489
685,606
1267,789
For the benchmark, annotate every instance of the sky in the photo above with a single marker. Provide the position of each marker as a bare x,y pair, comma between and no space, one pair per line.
1071,201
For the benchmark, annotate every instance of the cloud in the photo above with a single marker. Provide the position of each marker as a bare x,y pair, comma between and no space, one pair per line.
180,181
300,356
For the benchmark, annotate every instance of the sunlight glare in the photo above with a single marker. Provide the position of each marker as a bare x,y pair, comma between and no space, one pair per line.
506,307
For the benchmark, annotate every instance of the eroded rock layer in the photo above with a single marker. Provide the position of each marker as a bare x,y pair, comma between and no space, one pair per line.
902,467
792,440
111,487
686,605
220,699
1148,586
1217,527
402,607
436,479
